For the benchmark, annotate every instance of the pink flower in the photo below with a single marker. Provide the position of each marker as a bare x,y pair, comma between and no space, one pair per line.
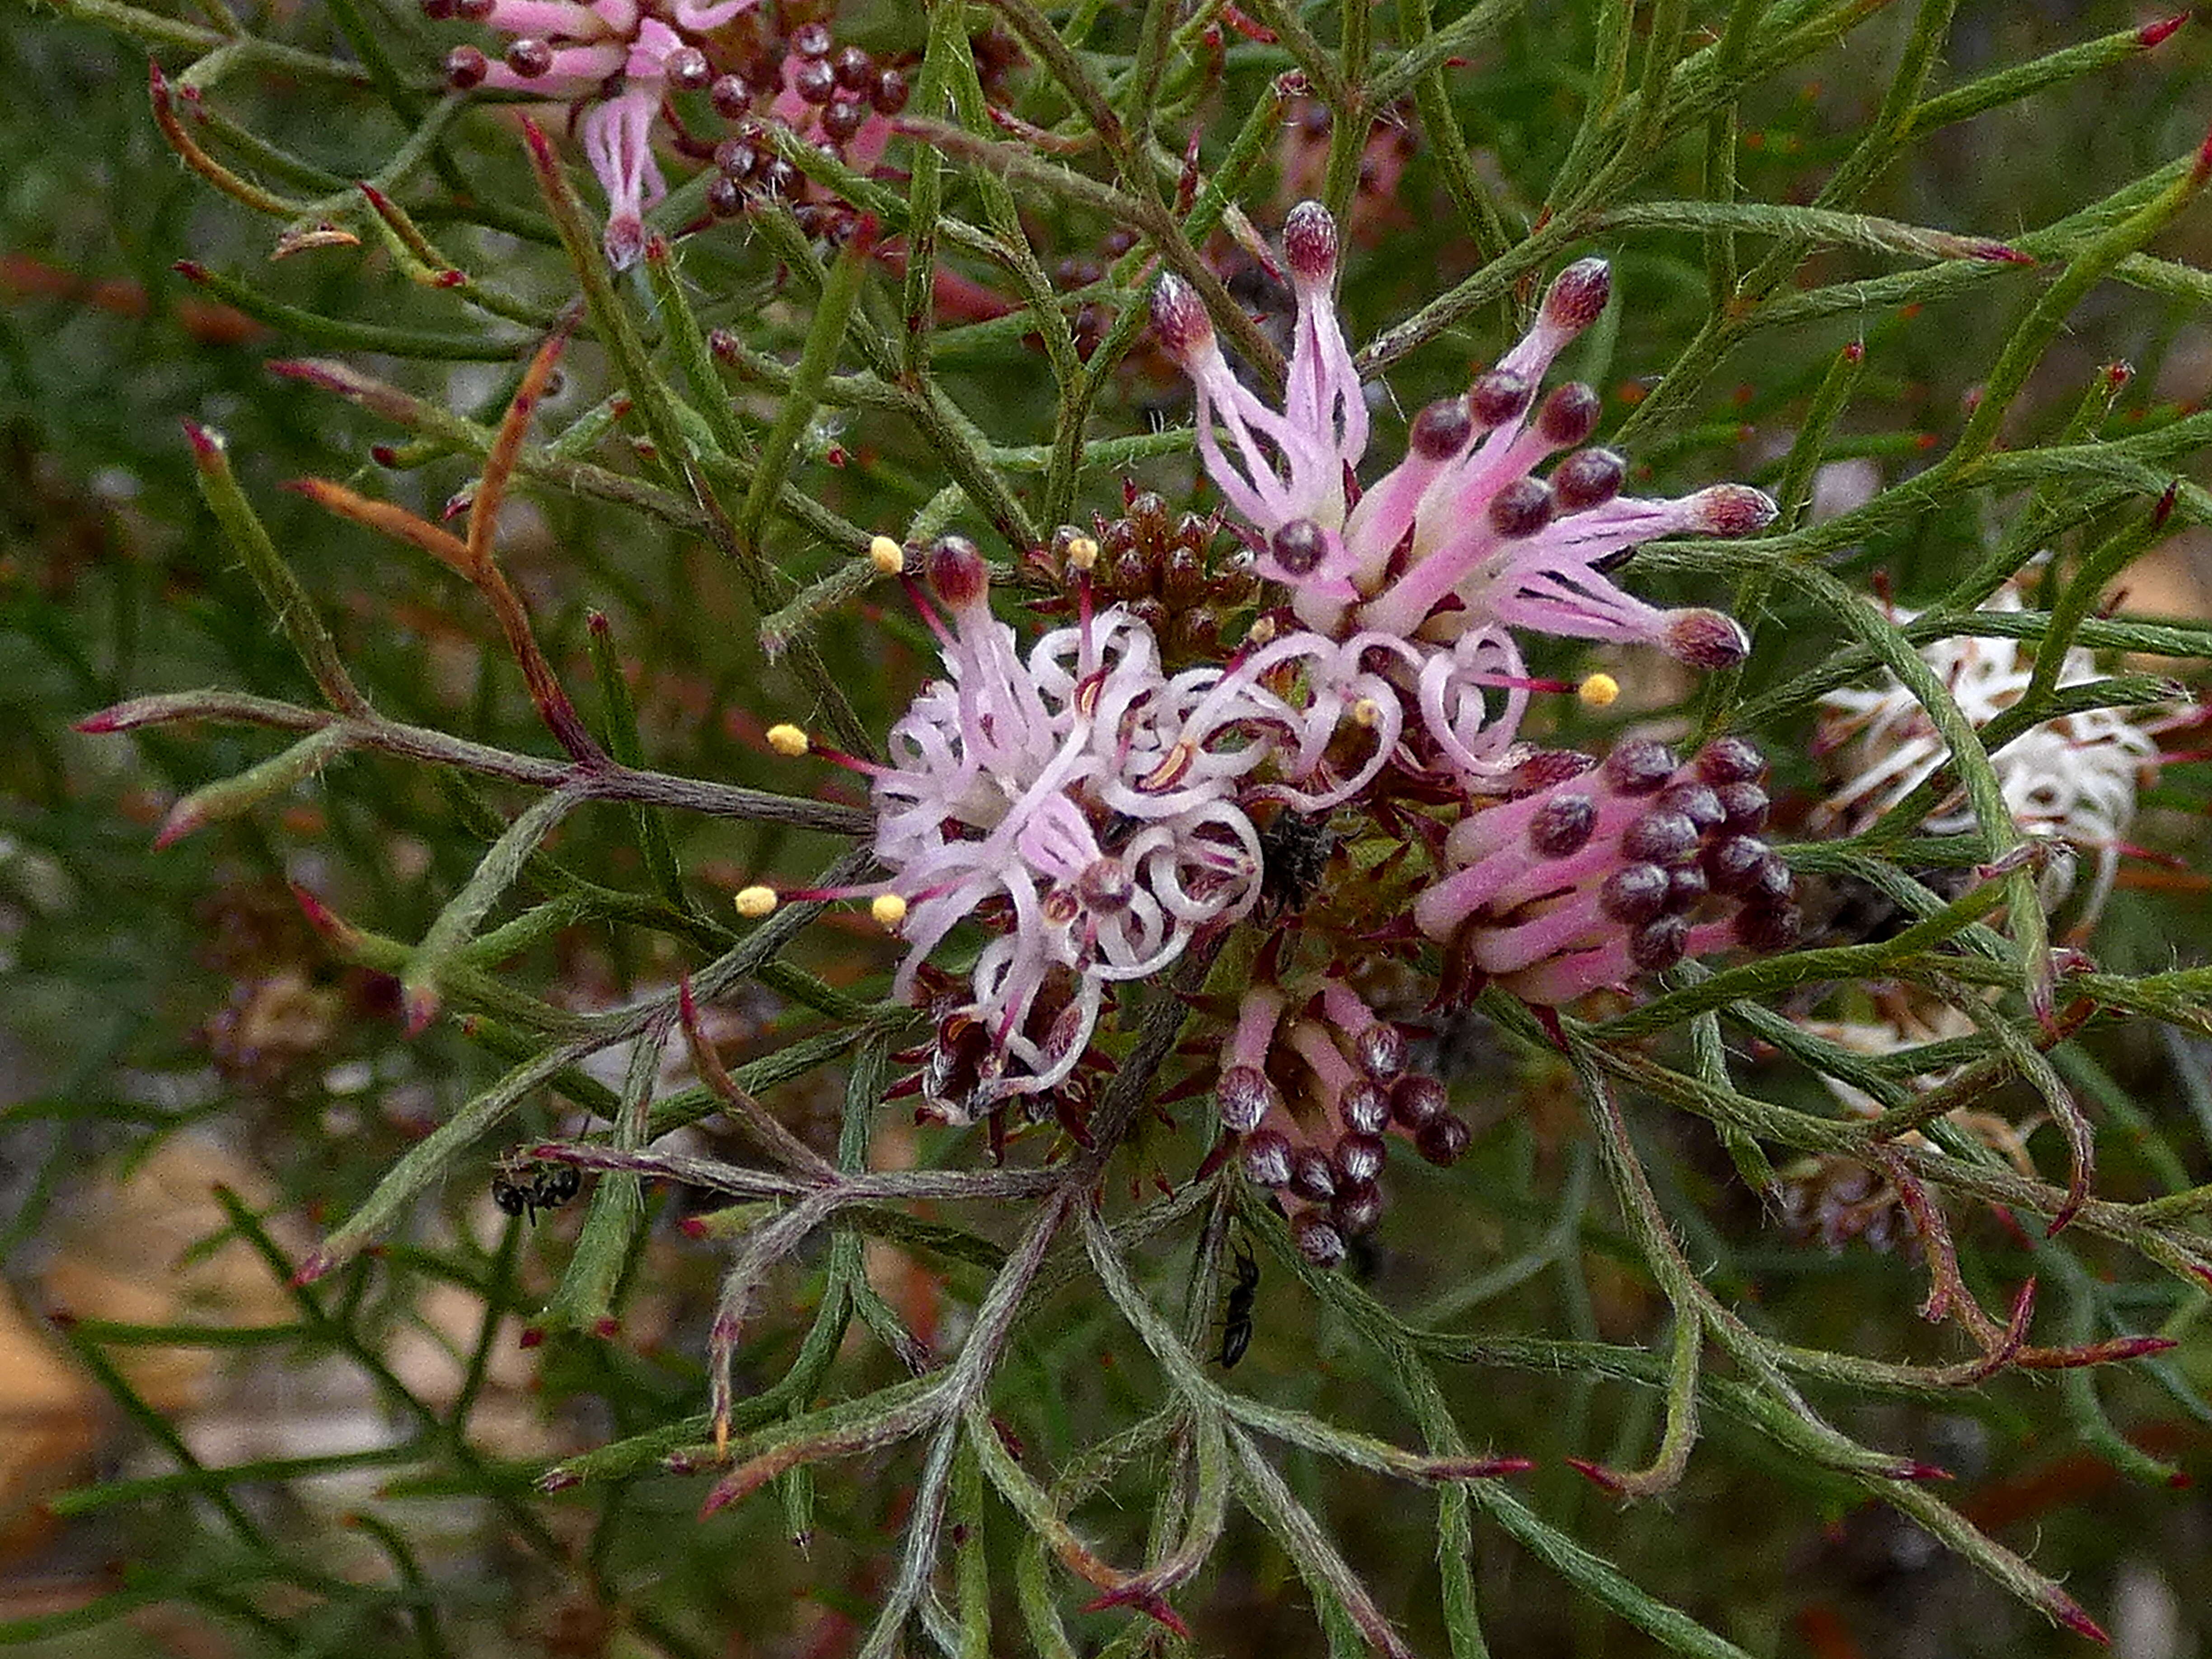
573,51
1611,871
1461,534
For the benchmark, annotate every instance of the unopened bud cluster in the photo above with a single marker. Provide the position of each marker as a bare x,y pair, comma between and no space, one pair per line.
1164,569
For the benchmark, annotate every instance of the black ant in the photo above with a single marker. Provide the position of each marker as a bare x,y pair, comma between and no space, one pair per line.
1237,1312
522,1186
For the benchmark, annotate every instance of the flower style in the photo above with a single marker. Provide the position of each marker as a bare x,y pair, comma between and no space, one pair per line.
1613,870
2074,778
576,50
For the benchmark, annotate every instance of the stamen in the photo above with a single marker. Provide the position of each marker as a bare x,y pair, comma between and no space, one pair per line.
788,740
755,902
1598,690
887,555
888,909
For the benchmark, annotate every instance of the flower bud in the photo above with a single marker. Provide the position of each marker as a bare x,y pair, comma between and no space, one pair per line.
1441,430
844,117
465,68
1267,1154
725,199
889,92
1310,244
1768,928
736,160
1243,1095
438,11
1745,805
1521,508
1704,639
854,68
1415,1100
1733,865
1562,826
1639,766
1357,1207
1588,478
731,95
1318,1241
957,571
1179,319
687,70
1365,1108
1359,1157
1312,1175
475,11
1660,837
1569,414
529,58
1730,760
811,40
1634,895
1685,890
1732,509
1695,802
1498,397
814,80
1579,294
1380,1051
1442,1139
1299,546
1659,943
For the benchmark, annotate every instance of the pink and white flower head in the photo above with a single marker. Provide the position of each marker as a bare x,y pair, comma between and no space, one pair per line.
623,56
1605,872
1075,799
1461,534
2074,778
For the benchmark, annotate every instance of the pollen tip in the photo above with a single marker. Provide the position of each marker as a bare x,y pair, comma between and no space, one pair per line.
755,902
1082,553
788,740
1367,712
1599,691
888,909
887,555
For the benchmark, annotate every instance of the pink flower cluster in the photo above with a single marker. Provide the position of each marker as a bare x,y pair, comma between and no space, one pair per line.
620,55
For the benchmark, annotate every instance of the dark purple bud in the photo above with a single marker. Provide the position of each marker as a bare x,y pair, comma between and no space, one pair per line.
1730,760
1588,478
1442,1139
855,68
688,69
1569,414
1695,802
1660,837
1768,928
844,117
1640,766
1732,509
1521,508
1659,943
1578,295
529,57
1310,243
725,199
1365,1108
735,159
731,95
1773,885
814,80
1359,1157
1547,769
1685,890
1380,1051
465,68
475,11
1243,1095
439,11
1441,430
811,40
1745,805
1299,546
1267,1154
1179,319
1733,865
1148,516
1415,1100
777,177
1357,1206
1318,1241
1312,1175
1562,826
957,571
1634,895
889,93
1704,639
1182,576
1498,397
